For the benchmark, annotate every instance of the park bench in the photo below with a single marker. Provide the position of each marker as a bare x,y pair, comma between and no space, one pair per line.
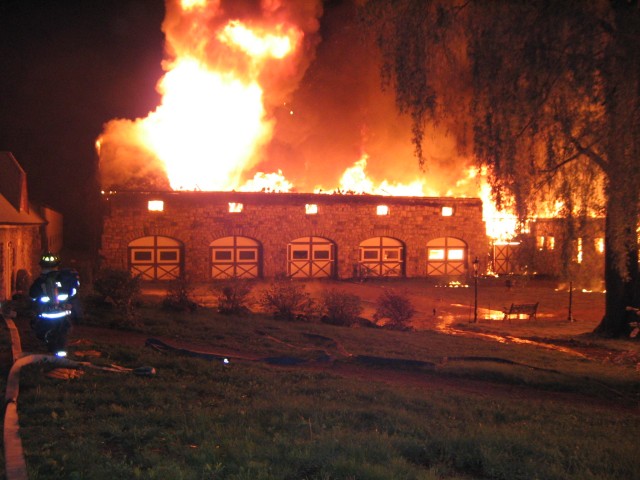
517,309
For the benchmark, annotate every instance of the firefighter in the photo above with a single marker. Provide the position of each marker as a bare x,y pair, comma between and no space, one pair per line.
54,295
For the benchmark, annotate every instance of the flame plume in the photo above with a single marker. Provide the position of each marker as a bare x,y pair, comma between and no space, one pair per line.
232,68
228,63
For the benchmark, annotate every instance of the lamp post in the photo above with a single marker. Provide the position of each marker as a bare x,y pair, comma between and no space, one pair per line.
476,262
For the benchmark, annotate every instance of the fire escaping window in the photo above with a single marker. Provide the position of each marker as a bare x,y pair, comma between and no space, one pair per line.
548,243
579,255
311,209
382,210
447,211
155,205
599,245
235,207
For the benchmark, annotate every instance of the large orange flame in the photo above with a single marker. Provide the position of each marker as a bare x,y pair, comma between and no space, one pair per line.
212,122
225,73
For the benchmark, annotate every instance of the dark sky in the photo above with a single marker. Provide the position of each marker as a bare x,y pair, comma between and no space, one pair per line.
68,66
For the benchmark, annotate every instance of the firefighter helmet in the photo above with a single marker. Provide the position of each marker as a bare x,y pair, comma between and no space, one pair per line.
49,260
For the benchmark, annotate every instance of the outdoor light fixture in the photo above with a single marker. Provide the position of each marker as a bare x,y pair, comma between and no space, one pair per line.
476,263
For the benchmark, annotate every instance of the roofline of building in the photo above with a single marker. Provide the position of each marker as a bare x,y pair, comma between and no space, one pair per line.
290,197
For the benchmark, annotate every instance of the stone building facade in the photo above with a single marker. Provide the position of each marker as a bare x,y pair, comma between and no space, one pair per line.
22,230
216,235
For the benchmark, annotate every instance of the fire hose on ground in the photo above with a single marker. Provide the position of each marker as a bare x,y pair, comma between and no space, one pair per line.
15,465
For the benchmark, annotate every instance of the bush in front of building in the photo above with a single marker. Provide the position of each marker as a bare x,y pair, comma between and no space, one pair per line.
340,308
233,296
179,296
121,290
287,299
396,308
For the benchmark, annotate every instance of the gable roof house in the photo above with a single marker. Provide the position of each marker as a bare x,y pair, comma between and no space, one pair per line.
23,229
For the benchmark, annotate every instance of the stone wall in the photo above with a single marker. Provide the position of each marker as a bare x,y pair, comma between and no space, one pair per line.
275,219
20,249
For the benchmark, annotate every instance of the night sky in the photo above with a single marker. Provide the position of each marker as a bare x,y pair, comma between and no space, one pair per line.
69,66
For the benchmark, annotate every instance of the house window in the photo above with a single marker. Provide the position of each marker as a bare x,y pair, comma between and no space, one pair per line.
436,254
235,207
222,254
579,248
142,256
551,243
391,254
600,245
311,209
370,254
447,211
247,254
155,205
321,255
455,254
540,242
168,256
382,210
300,254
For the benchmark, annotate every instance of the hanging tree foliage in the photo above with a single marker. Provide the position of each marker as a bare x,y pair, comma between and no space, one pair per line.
555,106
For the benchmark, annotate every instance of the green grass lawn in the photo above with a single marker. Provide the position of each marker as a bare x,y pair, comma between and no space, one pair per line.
356,408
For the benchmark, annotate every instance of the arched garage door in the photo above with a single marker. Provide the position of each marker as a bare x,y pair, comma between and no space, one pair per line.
446,256
311,257
235,257
156,258
381,257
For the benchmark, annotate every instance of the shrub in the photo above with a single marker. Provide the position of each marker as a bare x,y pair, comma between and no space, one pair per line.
396,307
233,295
340,308
178,297
287,299
120,289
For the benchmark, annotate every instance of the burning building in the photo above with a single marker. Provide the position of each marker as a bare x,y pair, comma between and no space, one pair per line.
249,89
218,235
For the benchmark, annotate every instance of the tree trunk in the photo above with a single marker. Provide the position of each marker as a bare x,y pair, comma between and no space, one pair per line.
621,75
622,290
